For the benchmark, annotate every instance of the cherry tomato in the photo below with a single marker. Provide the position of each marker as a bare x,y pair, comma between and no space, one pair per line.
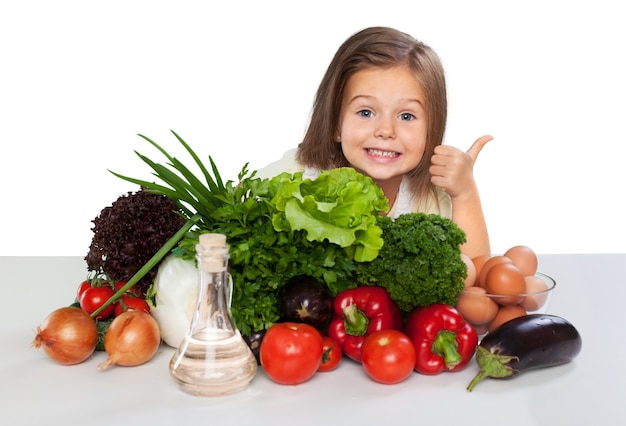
95,297
331,354
388,356
84,286
134,290
291,352
128,303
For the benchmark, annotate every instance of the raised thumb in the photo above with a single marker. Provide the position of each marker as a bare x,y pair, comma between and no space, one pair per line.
477,146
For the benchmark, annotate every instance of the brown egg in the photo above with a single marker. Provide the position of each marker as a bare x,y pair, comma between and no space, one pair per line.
505,280
534,284
524,258
471,270
478,262
475,306
504,314
493,260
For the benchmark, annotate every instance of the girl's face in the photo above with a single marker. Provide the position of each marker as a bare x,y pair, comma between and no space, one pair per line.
382,125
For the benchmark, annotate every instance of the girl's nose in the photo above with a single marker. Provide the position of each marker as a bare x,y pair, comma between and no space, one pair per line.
385,129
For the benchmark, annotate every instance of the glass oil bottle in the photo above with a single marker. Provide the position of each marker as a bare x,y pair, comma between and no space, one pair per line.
213,359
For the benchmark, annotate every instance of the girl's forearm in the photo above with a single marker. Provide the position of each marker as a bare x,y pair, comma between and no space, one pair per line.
467,213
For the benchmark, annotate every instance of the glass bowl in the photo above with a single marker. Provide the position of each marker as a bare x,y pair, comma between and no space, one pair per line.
485,312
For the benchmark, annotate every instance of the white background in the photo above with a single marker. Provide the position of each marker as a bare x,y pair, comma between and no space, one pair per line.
79,80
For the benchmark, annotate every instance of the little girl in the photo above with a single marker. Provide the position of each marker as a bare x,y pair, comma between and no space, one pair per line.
381,108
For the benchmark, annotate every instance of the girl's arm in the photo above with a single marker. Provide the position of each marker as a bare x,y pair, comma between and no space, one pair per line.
452,170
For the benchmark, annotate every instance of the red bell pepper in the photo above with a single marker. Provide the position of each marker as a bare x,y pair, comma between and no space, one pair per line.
443,340
359,312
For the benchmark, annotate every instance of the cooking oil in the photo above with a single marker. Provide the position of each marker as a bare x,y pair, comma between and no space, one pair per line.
213,358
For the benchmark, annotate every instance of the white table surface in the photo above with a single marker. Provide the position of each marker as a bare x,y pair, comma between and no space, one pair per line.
591,293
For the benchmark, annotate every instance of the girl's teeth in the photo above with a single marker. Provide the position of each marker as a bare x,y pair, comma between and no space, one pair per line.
380,153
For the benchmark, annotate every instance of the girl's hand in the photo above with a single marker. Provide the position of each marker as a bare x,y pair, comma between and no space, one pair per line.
453,170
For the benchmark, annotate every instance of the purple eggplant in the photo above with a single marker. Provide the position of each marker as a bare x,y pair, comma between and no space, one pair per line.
305,299
526,343
254,343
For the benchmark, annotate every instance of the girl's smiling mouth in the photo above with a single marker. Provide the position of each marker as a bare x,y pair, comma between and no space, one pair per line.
372,152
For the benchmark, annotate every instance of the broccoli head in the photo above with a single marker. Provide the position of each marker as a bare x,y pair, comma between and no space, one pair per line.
129,232
420,262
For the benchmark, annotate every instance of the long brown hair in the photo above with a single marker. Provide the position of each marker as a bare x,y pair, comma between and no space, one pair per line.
379,47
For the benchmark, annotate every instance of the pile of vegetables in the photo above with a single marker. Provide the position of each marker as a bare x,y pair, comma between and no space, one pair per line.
318,273
110,312
329,229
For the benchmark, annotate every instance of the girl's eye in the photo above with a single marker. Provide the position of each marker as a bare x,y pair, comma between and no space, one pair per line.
405,116
365,113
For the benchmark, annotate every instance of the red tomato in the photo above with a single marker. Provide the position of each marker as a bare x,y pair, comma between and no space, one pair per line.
291,352
331,354
128,303
134,290
95,297
84,286
388,356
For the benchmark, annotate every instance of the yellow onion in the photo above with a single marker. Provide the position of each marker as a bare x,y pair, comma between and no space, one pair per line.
133,338
68,336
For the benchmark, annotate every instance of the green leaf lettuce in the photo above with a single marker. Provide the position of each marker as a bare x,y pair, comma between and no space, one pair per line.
340,206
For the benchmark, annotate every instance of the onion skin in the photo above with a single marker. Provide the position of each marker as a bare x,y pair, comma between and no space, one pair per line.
133,338
68,336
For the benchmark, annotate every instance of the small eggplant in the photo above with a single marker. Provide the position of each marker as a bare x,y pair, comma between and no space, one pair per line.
254,343
526,343
305,299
